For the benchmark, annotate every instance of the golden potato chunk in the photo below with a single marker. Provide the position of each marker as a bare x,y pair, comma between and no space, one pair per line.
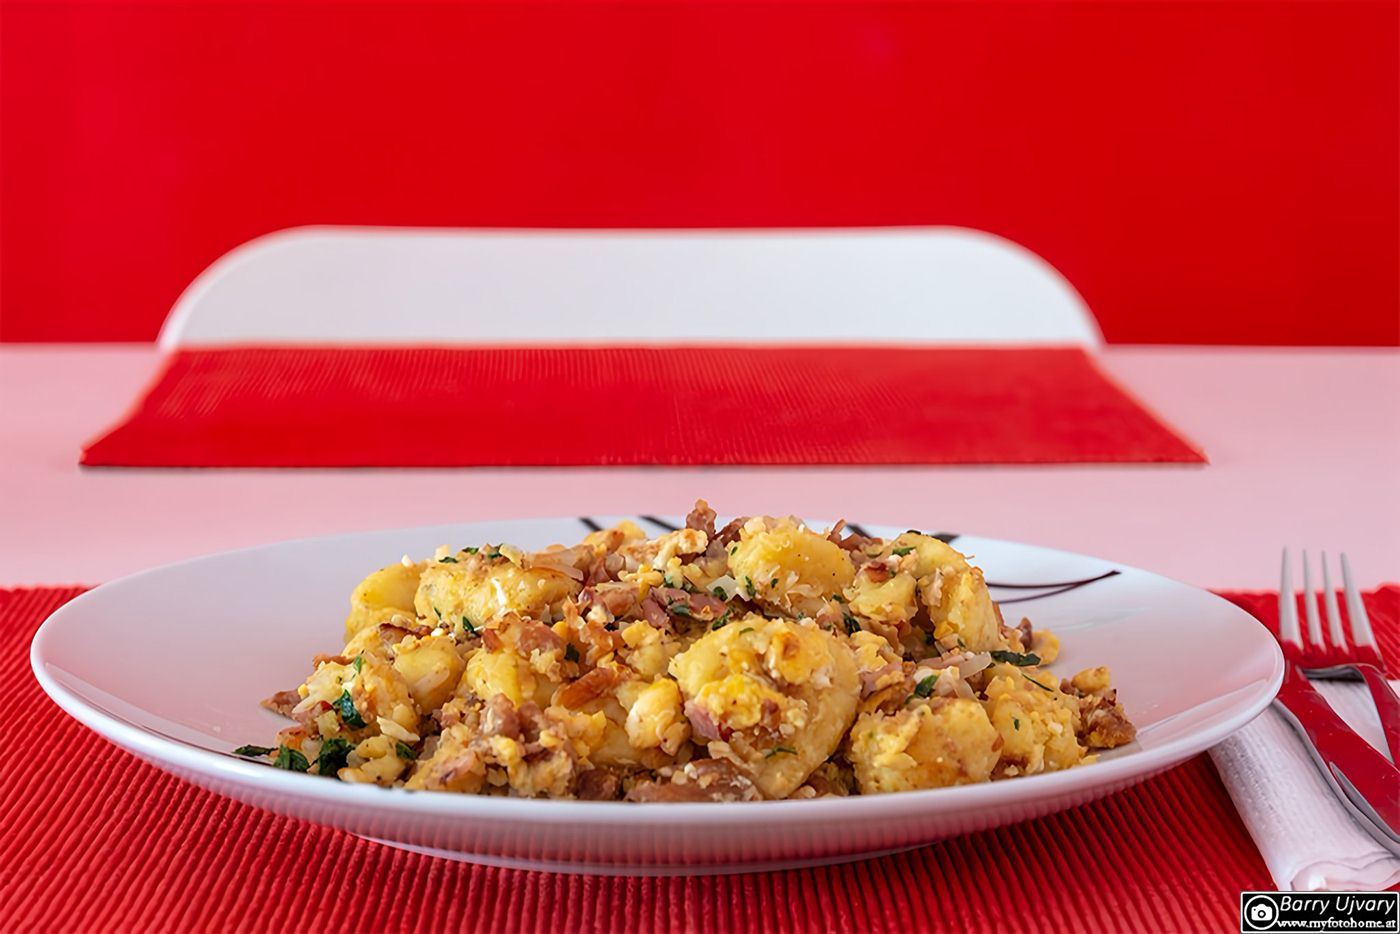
481,589
931,744
960,608
787,565
431,666
1037,723
386,593
773,694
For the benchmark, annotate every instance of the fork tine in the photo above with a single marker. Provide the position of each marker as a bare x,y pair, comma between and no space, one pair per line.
1334,616
1361,633
1287,608
1310,605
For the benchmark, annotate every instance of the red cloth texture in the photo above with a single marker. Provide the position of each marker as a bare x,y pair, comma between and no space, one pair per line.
1208,172
93,839
555,406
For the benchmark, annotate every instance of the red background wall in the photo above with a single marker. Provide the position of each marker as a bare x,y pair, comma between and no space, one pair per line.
1211,171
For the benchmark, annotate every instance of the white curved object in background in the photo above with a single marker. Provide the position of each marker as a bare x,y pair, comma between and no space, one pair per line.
408,285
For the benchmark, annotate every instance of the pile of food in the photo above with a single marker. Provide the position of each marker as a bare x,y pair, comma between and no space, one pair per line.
757,661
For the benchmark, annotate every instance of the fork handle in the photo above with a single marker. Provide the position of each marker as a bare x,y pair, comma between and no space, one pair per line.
1341,753
1387,705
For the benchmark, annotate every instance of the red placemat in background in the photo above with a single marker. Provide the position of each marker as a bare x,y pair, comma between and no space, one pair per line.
553,406
93,838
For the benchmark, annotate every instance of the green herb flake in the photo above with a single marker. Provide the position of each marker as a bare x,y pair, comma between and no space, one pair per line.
925,687
359,663
447,559
345,706
719,623
773,582
719,592
838,598
1037,683
334,756
901,552
253,752
1015,658
1016,722
405,751
777,749
570,653
471,550
291,760
748,586
745,629
439,613
680,608
468,628
852,624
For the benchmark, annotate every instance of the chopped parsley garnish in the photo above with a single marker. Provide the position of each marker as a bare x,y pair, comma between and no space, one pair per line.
467,627
345,706
680,608
838,598
494,554
359,663
777,749
252,751
930,640
471,550
291,760
447,559
439,613
1037,683
745,629
1015,658
570,653
902,551
852,624
719,623
925,687
333,757
749,587
405,751
1016,722
719,592
773,582
961,644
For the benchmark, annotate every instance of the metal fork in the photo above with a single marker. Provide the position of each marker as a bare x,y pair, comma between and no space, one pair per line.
1333,658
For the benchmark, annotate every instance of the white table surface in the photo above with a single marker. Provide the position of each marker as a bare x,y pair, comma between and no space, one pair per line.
1304,448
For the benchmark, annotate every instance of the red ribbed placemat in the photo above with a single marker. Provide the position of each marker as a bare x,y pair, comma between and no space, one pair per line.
448,407
93,838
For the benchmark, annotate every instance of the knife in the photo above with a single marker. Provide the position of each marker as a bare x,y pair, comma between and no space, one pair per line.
1366,782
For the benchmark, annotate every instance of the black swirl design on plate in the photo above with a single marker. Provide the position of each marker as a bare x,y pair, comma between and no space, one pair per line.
589,524
659,523
1051,588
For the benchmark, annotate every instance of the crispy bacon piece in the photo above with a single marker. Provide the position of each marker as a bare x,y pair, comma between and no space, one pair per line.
282,702
598,785
318,660
702,780
851,542
532,636
595,684
702,724
702,517
501,718
698,605
654,614
1105,725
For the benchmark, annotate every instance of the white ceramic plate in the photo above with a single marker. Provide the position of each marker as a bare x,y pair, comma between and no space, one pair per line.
171,665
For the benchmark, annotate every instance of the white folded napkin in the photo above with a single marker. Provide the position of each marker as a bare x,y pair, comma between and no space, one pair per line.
1308,839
